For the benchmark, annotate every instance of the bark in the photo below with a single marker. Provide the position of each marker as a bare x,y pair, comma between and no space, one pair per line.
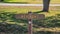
46,5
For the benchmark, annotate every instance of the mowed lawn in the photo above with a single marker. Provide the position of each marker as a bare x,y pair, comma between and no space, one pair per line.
25,9
53,10
33,1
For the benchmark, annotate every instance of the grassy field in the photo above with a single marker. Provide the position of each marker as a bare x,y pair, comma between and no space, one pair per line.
33,1
24,9
53,10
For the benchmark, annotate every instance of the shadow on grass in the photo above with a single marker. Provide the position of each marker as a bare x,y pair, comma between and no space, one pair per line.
53,21
46,32
12,28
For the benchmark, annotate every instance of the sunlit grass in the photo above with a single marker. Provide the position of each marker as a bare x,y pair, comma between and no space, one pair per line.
56,29
33,1
24,9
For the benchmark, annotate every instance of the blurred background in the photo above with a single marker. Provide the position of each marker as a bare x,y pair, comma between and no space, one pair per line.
10,25
30,1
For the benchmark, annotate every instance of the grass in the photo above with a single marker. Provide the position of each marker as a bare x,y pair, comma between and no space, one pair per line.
33,1
56,29
26,9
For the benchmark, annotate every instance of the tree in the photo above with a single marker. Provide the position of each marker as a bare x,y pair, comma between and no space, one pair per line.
46,5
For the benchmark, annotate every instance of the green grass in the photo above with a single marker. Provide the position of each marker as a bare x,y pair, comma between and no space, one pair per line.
33,1
22,9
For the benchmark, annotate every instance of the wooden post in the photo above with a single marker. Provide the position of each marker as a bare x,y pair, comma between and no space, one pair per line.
30,23
30,16
30,26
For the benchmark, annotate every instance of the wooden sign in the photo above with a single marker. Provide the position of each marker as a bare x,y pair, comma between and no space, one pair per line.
29,16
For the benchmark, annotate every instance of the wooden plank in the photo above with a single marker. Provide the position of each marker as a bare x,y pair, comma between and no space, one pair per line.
30,16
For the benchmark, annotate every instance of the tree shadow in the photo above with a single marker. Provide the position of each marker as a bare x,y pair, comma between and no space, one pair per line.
12,28
52,21
46,32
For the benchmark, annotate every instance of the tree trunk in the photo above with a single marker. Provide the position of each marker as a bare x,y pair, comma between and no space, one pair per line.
46,5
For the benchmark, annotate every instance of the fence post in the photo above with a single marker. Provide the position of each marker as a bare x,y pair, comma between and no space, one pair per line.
30,26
